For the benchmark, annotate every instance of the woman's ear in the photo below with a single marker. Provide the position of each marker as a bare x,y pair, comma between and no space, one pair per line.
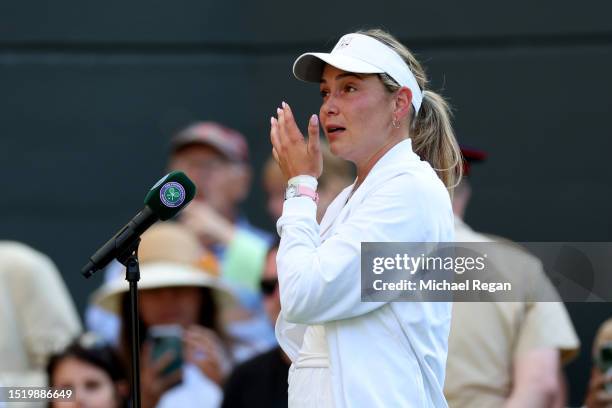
403,103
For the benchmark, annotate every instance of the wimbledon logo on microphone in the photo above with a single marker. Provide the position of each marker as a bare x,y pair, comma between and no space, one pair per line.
172,194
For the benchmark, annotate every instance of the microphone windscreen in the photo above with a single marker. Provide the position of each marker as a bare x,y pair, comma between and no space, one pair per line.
170,195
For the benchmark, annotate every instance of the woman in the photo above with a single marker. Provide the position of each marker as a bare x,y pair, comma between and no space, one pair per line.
175,292
93,371
377,113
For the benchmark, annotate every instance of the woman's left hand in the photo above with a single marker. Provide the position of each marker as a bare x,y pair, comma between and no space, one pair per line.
203,349
293,154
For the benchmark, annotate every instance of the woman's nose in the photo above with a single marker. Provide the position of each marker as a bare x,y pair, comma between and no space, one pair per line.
329,107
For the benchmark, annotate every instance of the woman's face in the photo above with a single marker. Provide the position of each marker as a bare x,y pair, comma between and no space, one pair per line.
179,305
356,114
92,386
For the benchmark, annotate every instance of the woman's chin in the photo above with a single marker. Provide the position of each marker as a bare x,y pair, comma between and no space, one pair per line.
335,146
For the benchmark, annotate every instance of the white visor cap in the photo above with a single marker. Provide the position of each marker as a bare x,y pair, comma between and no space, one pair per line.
360,54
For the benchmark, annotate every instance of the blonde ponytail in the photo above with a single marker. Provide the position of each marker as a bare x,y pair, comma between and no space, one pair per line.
433,138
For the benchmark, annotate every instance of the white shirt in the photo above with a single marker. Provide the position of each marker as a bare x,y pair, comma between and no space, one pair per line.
313,353
195,390
37,316
381,354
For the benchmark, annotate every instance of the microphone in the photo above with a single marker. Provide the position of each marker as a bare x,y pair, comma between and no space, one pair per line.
165,199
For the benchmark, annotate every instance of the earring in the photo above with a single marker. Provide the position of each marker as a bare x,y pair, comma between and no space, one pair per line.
395,123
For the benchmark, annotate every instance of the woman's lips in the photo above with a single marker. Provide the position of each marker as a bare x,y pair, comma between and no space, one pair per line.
333,132
170,317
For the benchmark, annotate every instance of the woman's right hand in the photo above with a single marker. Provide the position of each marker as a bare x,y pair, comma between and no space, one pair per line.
294,155
152,383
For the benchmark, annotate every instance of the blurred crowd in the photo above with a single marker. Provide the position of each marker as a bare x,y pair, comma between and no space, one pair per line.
209,297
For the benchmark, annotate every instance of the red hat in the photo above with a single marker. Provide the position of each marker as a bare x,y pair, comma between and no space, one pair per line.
471,156
229,142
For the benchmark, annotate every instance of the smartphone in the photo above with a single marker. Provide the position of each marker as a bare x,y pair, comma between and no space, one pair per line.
604,362
166,338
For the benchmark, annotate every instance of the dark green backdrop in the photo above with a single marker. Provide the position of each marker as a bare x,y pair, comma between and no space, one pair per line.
90,93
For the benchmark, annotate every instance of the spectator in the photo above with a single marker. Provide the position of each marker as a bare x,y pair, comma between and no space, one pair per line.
216,159
507,355
37,316
94,372
175,290
599,393
262,381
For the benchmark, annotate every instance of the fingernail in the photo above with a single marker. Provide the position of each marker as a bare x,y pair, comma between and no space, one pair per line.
284,105
314,120
279,111
271,120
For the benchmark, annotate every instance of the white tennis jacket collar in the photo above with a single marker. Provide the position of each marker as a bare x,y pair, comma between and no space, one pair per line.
381,354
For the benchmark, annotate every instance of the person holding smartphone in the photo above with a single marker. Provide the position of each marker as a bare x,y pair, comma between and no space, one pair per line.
185,353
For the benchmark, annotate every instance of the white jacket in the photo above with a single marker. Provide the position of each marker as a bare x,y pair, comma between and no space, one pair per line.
381,354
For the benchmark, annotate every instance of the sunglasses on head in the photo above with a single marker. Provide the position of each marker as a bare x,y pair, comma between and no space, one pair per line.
90,341
268,286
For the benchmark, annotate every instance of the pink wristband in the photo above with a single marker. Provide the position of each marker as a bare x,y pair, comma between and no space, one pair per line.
301,190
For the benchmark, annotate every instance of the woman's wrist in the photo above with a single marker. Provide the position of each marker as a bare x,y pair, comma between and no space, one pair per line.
304,179
303,185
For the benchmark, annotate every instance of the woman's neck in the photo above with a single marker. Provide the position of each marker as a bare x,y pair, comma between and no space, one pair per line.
364,169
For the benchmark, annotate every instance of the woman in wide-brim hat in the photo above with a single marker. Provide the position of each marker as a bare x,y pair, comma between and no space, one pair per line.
156,275
177,287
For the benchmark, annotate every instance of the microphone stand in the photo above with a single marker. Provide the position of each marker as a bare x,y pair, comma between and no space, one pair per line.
129,258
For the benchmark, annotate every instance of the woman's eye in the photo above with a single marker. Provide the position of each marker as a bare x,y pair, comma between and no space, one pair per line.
350,88
324,93
92,385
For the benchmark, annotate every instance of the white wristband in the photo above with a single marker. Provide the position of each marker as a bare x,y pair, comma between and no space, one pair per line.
305,180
